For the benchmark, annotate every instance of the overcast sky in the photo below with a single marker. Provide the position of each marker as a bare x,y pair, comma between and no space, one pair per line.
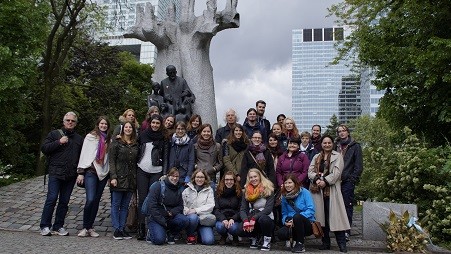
253,61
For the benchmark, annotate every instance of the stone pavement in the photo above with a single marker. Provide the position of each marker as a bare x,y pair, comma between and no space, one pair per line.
20,212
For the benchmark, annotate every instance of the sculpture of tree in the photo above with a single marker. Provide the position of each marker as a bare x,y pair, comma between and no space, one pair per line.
185,43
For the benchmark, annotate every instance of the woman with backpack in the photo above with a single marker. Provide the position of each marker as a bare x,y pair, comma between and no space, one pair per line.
165,209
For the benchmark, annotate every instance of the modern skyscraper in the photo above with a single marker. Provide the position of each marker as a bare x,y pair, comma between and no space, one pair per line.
122,15
321,89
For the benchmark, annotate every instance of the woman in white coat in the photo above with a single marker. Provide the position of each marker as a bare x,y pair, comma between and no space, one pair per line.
93,171
325,177
198,204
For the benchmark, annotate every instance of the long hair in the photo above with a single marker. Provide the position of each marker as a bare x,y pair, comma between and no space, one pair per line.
297,185
133,135
231,138
207,178
192,118
96,130
268,186
123,118
295,129
221,185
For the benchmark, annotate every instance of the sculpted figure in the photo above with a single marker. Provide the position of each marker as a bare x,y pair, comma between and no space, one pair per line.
185,43
176,92
155,99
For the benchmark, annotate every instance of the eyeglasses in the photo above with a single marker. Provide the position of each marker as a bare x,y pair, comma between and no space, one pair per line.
70,120
180,129
257,137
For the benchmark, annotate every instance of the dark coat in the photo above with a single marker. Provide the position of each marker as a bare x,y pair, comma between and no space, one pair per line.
182,157
123,158
353,162
227,207
257,127
310,151
62,159
209,160
249,162
172,201
222,133
299,169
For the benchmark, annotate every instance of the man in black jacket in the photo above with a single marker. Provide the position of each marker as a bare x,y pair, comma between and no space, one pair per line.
62,148
260,106
353,166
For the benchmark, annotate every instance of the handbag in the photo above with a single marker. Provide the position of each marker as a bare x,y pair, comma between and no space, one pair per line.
132,216
317,229
208,220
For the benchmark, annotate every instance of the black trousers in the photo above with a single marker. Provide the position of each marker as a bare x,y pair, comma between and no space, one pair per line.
263,226
302,227
143,182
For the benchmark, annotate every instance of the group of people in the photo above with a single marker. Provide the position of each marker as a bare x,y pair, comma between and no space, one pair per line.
252,180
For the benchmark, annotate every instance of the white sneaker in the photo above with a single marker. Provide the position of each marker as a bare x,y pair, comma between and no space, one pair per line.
266,243
93,233
61,232
46,231
288,244
83,233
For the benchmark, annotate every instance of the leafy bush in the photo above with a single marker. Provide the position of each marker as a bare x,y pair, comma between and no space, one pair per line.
401,168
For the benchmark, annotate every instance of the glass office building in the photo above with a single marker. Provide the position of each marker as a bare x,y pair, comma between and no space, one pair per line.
122,15
321,89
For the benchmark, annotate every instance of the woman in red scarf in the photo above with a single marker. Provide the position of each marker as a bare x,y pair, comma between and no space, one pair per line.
93,171
256,210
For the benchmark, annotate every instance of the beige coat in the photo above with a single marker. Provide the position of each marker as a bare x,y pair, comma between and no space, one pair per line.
338,220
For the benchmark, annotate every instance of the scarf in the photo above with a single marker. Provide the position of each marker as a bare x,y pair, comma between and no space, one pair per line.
101,148
344,145
257,152
149,135
180,141
292,195
229,192
275,151
205,144
253,193
239,145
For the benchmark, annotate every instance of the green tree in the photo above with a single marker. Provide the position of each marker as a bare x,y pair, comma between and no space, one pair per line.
23,24
102,80
68,20
408,44
332,127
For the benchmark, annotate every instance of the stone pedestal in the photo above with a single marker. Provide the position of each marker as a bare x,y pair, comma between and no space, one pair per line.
375,213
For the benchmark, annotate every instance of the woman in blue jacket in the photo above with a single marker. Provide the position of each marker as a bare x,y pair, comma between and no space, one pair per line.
181,155
298,212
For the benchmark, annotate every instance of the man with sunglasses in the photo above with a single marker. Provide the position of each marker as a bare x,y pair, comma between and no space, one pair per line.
62,148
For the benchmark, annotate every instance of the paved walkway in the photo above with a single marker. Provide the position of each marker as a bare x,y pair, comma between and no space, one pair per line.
21,206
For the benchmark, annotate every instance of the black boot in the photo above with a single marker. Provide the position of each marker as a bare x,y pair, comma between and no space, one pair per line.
341,241
325,240
342,247
141,232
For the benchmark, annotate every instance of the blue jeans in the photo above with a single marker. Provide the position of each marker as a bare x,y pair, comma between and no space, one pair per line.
206,233
347,190
94,190
119,208
57,189
233,230
157,233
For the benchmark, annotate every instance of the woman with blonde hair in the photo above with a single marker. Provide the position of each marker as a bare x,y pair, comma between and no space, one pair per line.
129,115
290,129
256,209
